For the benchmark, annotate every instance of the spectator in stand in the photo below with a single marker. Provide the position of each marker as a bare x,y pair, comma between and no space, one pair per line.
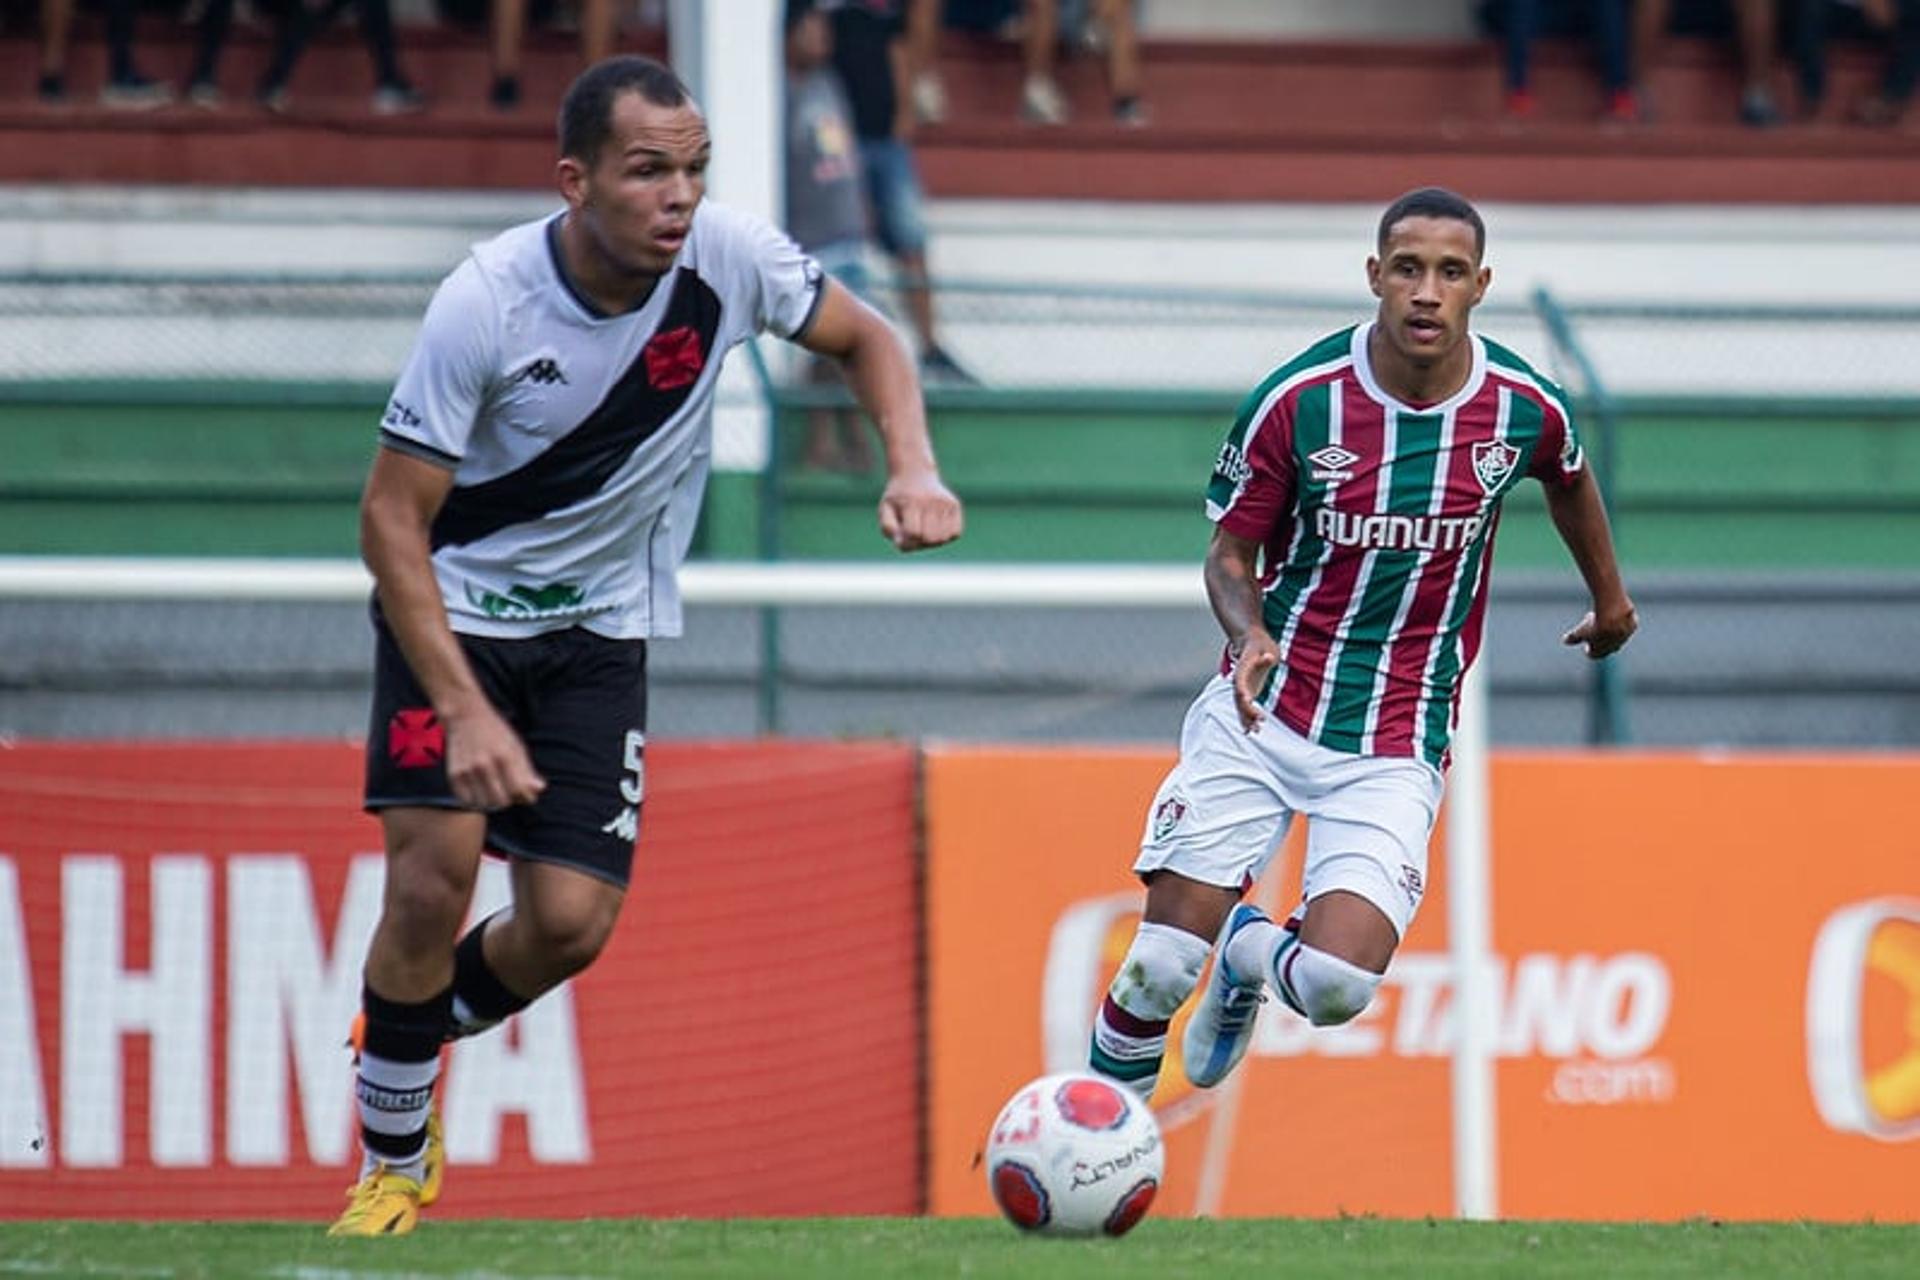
509,27
1893,22
1105,27
1607,19
126,88
1754,29
393,93
826,209
923,61
870,57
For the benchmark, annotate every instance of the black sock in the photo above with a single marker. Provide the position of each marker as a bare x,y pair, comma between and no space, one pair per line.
480,999
398,1066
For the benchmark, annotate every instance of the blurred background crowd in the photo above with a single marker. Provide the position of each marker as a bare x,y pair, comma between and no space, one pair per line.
162,52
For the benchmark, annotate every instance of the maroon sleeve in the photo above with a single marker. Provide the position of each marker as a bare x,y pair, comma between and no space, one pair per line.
1558,458
1262,498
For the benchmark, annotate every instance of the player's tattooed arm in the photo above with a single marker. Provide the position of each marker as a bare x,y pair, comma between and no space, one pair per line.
1233,588
1581,518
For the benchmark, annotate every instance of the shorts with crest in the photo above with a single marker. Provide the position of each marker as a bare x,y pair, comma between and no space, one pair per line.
1228,803
579,702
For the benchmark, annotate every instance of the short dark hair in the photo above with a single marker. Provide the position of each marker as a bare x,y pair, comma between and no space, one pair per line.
1434,202
586,114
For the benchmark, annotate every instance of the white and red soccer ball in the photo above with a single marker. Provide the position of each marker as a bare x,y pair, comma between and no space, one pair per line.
1074,1155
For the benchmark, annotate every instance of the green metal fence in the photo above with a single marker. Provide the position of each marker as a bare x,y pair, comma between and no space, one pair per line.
196,415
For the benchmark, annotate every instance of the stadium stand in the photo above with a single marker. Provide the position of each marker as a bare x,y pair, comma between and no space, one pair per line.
1253,117
1107,326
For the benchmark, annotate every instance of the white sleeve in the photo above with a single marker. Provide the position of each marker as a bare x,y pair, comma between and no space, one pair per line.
444,382
785,282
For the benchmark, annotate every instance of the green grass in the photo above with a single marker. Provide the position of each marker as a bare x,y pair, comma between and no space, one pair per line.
925,1249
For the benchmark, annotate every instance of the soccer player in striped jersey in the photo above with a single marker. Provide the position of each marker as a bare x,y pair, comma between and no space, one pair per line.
536,489
1354,505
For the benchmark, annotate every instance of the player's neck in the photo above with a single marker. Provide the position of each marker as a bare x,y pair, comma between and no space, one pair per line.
1416,383
610,288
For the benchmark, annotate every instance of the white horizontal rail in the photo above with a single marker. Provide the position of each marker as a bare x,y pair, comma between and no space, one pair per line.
812,583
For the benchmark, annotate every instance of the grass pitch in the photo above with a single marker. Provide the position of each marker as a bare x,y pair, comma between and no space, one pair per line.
926,1249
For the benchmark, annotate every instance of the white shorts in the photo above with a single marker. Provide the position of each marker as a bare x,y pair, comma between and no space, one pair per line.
1225,808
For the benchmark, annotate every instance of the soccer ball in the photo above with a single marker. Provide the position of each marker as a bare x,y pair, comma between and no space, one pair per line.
1074,1155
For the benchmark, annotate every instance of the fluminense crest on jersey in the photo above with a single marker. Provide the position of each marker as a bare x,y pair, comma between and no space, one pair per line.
1493,462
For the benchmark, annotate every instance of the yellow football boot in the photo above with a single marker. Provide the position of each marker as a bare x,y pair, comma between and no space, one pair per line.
435,1159
380,1204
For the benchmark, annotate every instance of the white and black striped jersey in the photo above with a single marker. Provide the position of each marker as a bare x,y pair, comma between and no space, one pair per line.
580,442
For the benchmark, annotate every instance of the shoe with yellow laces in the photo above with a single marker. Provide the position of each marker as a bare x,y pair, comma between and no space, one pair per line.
434,1159
381,1204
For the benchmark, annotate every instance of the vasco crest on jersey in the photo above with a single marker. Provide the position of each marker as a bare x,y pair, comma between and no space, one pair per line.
1493,462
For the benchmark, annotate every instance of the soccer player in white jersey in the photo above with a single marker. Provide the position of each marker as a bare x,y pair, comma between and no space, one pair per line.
1354,506
541,466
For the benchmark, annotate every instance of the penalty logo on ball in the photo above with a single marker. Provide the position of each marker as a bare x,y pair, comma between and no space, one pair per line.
1074,1154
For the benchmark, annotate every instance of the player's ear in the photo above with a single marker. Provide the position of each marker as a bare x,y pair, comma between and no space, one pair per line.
571,177
1373,274
1480,284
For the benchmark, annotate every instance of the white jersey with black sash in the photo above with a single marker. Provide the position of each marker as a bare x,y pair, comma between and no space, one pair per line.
580,442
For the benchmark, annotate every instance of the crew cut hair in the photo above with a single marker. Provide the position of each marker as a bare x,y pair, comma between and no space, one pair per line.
586,114
1434,202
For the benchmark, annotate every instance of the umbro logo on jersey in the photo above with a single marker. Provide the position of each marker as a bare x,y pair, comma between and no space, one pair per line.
1332,463
544,371
1493,462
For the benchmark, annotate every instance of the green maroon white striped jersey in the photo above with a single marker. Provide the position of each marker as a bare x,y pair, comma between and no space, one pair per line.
1376,520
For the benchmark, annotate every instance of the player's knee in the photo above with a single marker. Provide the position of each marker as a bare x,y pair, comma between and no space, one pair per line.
568,936
1329,989
425,902
1160,971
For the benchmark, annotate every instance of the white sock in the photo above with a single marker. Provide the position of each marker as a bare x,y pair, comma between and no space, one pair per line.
395,1098
1160,971
1250,954
1322,987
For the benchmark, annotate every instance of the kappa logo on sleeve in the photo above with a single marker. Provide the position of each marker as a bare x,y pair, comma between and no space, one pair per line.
544,371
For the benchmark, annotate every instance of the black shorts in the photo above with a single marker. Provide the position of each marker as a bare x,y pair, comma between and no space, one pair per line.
579,702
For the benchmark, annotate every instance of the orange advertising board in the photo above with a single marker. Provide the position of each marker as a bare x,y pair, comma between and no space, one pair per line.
181,932
1708,978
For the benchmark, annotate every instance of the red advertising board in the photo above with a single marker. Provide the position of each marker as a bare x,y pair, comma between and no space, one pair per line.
181,932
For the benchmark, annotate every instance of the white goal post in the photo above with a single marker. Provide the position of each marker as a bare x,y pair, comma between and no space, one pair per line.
1001,586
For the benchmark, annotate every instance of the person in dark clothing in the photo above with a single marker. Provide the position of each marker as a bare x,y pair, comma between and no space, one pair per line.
126,88
393,94
1895,22
870,58
1522,21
